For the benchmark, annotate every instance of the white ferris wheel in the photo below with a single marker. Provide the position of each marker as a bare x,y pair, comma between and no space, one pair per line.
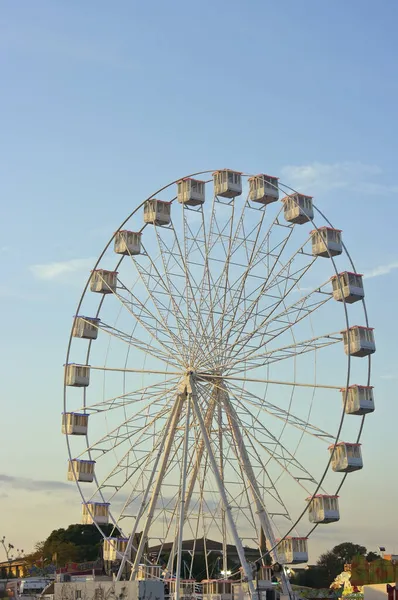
209,399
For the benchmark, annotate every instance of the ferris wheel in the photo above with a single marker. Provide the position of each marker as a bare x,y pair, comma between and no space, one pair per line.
209,403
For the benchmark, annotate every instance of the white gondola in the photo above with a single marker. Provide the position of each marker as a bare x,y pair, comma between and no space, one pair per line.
326,242
298,208
227,184
85,327
293,550
348,286
95,512
157,212
263,189
114,548
360,399
103,282
346,457
187,588
77,375
128,242
216,589
323,509
74,423
359,341
191,191
147,571
81,470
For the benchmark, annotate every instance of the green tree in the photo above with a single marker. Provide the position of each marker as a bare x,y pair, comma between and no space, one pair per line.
77,543
372,556
346,551
331,565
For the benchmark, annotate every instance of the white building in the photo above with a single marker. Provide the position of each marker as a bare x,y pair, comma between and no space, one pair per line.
106,589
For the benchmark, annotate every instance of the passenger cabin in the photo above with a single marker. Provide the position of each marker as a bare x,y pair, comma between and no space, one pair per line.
263,189
114,548
216,589
227,184
346,457
187,588
360,399
293,550
95,512
190,191
348,287
103,282
146,571
326,242
359,341
74,423
127,242
85,327
298,208
77,375
323,509
81,470
157,212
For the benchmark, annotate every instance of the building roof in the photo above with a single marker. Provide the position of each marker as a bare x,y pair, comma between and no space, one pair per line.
15,562
199,546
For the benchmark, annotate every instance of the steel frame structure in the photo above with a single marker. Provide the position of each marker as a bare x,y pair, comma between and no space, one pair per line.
215,308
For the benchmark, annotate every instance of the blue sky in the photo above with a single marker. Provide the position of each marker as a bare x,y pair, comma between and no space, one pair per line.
101,105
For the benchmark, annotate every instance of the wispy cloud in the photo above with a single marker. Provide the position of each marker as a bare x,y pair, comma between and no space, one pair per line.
389,376
63,269
323,177
35,485
381,270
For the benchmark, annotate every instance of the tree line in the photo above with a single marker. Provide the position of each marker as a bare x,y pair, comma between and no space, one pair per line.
83,543
330,564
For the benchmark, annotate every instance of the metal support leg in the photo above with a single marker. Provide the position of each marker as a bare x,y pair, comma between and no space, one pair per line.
228,511
181,398
244,459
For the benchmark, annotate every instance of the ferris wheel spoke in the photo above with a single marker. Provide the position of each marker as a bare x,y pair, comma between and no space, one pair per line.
156,287
260,252
271,381
243,495
152,391
147,319
193,310
193,288
206,284
268,290
123,465
138,344
283,415
253,361
216,253
222,282
178,266
117,438
271,489
282,456
272,326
